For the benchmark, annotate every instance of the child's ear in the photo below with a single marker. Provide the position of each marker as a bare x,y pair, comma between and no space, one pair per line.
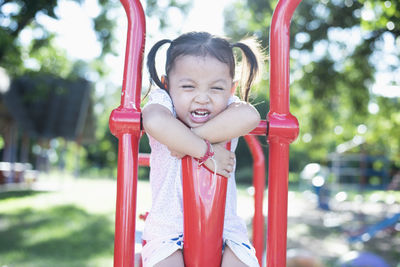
164,82
234,85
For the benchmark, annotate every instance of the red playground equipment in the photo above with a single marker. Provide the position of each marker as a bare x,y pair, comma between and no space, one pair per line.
205,201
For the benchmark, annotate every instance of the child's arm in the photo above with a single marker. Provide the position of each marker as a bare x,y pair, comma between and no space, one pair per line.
159,122
165,128
238,119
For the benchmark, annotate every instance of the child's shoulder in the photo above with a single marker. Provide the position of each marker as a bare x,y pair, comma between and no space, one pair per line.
161,97
158,92
234,99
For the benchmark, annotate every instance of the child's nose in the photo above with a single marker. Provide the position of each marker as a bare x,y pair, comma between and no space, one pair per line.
202,98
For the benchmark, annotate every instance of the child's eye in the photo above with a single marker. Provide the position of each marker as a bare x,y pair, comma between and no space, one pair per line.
187,86
217,88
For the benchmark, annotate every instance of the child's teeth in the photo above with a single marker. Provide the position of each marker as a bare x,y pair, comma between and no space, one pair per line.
199,113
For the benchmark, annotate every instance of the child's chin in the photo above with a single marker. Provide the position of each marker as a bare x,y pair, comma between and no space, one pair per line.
195,125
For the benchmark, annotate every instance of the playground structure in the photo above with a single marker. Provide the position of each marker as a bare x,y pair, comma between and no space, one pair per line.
280,128
370,231
317,175
369,171
351,171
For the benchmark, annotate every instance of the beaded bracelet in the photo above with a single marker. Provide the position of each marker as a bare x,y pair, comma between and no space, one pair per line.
209,153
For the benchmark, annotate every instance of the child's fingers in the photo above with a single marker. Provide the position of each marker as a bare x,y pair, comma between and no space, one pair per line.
229,168
224,170
230,163
225,174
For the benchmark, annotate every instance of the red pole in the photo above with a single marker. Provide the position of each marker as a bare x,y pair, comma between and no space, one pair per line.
261,129
259,187
204,200
283,129
124,123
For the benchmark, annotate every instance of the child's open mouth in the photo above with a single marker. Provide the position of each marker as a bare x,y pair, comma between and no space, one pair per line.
200,115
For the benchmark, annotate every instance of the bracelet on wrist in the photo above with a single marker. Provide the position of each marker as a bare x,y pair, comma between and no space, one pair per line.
209,153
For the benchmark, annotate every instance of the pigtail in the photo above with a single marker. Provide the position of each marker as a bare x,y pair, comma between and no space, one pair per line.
252,61
151,63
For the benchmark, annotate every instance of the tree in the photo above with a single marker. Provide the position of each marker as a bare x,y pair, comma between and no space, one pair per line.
338,48
46,58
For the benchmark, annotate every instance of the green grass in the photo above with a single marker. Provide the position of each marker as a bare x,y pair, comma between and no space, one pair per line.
63,235
70,222
67,222
72,225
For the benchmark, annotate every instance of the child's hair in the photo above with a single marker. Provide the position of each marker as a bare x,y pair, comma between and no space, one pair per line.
205,44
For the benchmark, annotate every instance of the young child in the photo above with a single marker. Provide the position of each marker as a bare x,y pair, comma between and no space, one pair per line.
195,111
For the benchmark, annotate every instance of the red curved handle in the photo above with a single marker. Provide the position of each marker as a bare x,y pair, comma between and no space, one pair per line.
132,80
283,129
204,198
124,123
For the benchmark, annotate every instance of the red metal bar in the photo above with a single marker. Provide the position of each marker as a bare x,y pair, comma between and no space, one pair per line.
132,80
144,159
283,129
282,126
204,200
124,123
259,187
261,129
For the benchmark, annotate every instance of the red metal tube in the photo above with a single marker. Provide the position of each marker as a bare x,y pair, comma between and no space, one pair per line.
283,129
261,129
144,159
204,200
125,216
279,55
124,123
259,187
132,79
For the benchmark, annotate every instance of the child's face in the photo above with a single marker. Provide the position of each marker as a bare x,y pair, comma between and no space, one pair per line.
200,88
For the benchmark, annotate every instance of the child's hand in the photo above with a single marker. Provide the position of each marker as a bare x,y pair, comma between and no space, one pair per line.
224,158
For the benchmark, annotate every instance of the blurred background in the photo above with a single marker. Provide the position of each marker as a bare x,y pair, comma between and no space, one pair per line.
61,66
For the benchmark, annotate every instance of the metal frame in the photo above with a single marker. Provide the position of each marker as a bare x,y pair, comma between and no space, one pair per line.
281,128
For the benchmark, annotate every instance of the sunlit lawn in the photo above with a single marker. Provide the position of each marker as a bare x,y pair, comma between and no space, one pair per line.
70,222
66,222
71,225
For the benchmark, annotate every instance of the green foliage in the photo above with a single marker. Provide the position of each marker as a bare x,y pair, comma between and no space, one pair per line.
41,56
336,52
47,58
19,15
104,26
155,9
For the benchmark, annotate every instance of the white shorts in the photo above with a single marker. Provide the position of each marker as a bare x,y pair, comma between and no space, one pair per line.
158,249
